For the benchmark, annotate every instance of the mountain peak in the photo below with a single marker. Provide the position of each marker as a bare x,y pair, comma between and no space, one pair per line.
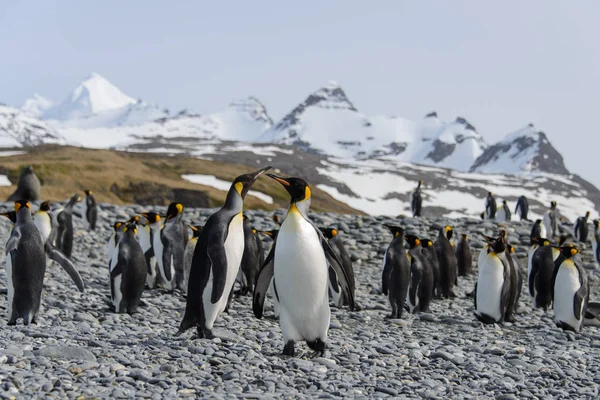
36,105
92,96
329,96
254,108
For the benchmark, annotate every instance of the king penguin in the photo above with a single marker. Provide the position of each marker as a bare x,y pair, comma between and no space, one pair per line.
517,282
90,211
540,275
169,246
127,272
580,229
416,200
538,230
43,221
492,290
522,208
257,306
64,239
464,256
490,206
337,245
26,266
551,219
28,187
118,228
188,254
571,291
252,259
447,260
420,287
503,213
396,272
217,259
153,278
301,264
431,254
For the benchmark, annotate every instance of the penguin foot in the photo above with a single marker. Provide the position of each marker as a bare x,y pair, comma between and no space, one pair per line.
318,347
12,322
205,333
288,349
510,318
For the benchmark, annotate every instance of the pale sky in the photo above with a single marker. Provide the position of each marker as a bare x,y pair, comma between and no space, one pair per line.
501,65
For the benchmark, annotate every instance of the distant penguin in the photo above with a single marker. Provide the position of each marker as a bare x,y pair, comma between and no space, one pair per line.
492,290
538,230
571,291
522,208
551,219
90,211
447,260
28,187
596,240
337,245
580,229
118,228
540,276
430,252
252,259
169,246
416,201
302,264
217,258
64,239
396,272
153,278
464,256
127,272
26,266
188,255
503,214
43,221
420,288
490,206
271,285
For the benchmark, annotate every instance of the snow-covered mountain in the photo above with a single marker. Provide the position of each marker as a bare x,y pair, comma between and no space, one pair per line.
327,122
18,129
526,150
36,105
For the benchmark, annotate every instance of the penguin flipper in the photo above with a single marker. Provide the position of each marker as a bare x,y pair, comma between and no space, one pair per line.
506,290
582,295
336,264
62,260
533,273
218,267
13,241
263,279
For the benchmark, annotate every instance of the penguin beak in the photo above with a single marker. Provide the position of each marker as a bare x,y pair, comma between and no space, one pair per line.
260,172
283,182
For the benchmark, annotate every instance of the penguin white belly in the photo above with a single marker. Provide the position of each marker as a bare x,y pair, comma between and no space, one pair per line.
489,287
234,249
411,306
9,284
302,280
145,238
110,249
501,215
547,224
43,224
567,284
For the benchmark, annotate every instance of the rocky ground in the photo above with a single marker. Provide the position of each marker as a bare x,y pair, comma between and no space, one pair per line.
79,349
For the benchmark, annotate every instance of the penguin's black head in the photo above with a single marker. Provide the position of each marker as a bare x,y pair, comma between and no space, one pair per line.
489,194
196,230
396,230
563,238
118,225
464,236
151,216
130,227
488,239
174,210
449,231
426,242
596,223
11,215
511,249
243,183
412,241
499,245
87,192
568,251
504,202
27,170
19,204
587,215
296,187
502,233
538,221
553,204
272,233
482,215
329,233
45,206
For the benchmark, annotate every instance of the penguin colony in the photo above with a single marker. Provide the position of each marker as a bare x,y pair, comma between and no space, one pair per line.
306,269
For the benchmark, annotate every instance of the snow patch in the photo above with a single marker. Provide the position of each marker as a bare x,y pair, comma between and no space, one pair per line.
213,181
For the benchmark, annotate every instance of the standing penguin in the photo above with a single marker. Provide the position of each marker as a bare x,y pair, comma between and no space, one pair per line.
551,219
127,272
503,213
261,283
517,282
596,240
252,259
535,243
114,240
420,288
464,256
490,206
43,221
301,264
571,291
337,245
64,239
217,259
188,255
144,235
153,278
522,208
169,246
28,187
429,250
538,230
492,290
90,211
580,229
396,272
447,260
416,201
540,276
26,266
